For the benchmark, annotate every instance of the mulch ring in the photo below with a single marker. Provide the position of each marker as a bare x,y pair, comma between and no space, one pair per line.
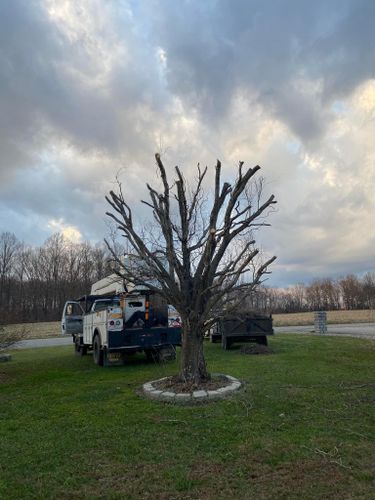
256,349
174,384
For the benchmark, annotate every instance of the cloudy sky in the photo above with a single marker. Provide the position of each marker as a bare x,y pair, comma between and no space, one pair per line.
92,88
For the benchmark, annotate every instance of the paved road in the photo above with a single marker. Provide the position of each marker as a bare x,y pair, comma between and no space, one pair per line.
51,342
359,330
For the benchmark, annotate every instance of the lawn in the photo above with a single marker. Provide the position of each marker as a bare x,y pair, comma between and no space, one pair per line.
303,427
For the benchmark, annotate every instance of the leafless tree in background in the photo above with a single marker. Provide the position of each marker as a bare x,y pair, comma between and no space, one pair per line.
368,284
198,254
351,291
36,281
9,247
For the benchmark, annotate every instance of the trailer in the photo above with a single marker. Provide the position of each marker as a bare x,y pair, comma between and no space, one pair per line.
112,325
242,328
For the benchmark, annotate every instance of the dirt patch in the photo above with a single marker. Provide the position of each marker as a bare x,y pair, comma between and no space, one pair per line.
256,349
4,377
258,479
104,477
174,384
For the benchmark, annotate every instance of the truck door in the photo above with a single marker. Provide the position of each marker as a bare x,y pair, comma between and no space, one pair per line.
72,318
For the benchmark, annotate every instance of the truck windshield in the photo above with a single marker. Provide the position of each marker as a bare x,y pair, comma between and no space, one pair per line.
103,304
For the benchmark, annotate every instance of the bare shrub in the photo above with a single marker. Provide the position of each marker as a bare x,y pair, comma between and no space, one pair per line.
9,337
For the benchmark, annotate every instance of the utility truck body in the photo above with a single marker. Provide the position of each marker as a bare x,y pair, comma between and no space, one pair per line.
113,324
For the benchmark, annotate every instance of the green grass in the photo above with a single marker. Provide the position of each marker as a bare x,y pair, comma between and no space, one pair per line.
303,427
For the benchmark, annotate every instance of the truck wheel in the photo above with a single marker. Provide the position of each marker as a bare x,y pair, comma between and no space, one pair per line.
98,351
80,349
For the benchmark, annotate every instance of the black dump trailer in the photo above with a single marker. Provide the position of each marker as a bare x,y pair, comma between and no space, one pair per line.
242,328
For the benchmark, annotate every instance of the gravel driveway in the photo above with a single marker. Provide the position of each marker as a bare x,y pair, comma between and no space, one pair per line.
51,342
360,330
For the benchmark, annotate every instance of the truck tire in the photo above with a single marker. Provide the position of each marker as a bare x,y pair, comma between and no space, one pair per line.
98,353
80,349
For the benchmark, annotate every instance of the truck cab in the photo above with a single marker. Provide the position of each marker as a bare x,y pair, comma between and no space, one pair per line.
72,318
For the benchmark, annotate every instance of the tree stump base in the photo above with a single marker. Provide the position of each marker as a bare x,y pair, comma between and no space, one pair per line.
229,387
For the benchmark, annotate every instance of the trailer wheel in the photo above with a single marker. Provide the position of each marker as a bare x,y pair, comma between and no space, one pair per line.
262,340
161,354
167,353
98,351
150,355
226,343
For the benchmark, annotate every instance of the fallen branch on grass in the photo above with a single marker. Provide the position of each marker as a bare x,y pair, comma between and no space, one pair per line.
329,455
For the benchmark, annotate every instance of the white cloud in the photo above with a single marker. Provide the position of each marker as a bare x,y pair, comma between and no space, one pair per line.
90,88
69,233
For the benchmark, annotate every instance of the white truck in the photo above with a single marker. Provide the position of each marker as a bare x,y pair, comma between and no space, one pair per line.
112,322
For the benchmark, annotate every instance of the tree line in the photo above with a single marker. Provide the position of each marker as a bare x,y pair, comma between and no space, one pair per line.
327,294
36,281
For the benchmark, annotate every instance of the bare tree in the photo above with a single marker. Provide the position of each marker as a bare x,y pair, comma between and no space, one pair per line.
194,255
9,246
8,249
351,290
369,290
35,282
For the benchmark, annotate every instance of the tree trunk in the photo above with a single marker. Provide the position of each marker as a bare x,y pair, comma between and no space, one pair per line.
193,367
